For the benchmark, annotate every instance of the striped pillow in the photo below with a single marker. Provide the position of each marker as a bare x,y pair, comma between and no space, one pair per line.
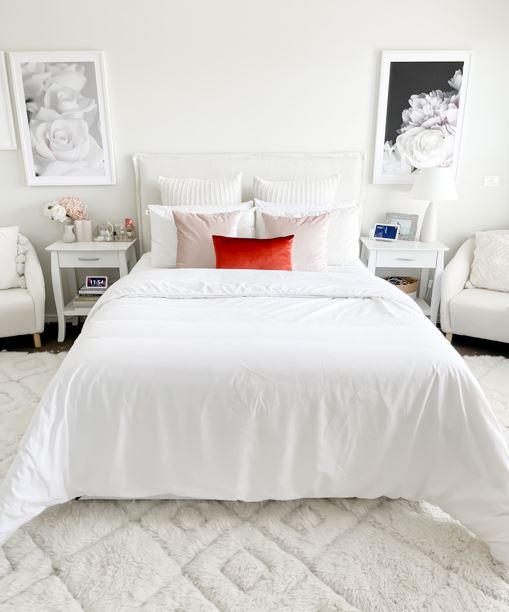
197,191
302,191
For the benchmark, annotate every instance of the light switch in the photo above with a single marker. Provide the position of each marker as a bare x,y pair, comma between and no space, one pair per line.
491,181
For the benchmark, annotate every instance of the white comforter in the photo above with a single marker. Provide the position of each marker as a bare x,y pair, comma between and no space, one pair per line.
254,385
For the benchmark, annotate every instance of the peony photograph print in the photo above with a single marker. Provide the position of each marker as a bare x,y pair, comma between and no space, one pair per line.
62,114
420,116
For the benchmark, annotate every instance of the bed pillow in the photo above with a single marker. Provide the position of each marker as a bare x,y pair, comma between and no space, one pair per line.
9,277
163,233
302,191
490,267
344,226
200,192
195,248
310,238
253,253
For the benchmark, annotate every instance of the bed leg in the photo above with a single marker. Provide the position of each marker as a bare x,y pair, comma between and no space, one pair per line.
448,337
37,340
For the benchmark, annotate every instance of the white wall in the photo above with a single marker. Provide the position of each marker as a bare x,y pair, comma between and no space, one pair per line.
264,75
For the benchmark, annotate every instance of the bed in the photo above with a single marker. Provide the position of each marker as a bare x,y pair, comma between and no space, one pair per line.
253,385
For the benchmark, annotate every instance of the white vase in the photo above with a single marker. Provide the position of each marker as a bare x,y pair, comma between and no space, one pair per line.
83,230
68,233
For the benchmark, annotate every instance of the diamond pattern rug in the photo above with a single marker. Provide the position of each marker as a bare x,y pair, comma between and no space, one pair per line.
194,556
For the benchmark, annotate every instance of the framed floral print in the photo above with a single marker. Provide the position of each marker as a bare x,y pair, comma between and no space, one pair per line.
7,135
420,112
63,117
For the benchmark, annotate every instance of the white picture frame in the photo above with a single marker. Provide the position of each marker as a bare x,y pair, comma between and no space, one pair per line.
63,117
407,224
7,133
418,73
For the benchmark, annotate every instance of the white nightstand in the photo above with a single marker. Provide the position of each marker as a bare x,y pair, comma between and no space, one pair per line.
427,256
72,255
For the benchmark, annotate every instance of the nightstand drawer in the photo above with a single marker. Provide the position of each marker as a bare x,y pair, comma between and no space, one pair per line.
88,259
406,259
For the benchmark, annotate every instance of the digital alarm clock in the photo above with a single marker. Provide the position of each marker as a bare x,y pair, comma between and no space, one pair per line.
386,231
96,282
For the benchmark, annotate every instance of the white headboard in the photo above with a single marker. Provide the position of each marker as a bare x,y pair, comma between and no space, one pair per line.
282,166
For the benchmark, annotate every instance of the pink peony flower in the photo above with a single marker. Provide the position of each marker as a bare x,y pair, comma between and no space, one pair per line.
74,207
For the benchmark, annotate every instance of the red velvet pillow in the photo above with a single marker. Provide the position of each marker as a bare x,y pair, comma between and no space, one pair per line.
254,253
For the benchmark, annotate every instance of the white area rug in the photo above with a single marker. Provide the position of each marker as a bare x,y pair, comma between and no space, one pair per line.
305,555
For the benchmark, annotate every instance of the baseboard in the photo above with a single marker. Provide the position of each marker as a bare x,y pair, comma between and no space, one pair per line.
50,318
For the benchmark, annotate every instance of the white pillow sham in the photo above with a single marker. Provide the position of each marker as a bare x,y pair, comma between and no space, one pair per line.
490,267
344,226
301,191
8,253
164,232
200,192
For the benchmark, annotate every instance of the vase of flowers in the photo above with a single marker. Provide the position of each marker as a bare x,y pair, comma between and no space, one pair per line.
67,210
68,233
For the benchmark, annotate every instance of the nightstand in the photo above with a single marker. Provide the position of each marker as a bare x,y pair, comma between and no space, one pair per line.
426,256
73,255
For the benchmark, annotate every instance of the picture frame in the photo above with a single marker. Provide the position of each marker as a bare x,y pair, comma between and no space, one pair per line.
421,109
63,117
407,224
7,133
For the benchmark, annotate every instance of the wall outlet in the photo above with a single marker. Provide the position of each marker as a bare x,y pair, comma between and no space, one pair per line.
491,181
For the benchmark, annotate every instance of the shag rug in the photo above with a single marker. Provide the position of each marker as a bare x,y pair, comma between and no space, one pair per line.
196,556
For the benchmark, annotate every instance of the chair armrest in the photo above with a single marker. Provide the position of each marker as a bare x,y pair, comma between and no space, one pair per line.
454,278
35,286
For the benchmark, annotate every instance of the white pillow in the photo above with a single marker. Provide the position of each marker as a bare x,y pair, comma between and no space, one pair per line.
302,191
490,268
344,227
164,232
200,192
8,253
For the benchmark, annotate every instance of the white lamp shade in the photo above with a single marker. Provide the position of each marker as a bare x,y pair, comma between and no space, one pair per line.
434,184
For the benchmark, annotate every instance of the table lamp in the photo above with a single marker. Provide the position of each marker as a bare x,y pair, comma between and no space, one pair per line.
433,184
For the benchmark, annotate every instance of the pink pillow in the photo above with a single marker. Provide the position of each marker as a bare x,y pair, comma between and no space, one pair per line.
195,248
310,242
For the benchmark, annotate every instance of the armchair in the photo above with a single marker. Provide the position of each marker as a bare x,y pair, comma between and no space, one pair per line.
22,310
480,313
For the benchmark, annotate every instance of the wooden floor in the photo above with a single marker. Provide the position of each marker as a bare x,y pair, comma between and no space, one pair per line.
463,344
48,339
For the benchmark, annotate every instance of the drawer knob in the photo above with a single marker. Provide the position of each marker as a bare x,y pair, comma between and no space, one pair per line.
405,258
88,258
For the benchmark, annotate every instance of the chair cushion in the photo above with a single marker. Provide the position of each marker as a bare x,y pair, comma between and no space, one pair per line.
8,254
481,313
17,313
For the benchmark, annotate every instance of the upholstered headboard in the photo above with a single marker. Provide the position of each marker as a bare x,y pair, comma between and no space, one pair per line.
148,166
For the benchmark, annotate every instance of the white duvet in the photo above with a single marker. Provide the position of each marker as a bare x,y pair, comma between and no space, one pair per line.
259,385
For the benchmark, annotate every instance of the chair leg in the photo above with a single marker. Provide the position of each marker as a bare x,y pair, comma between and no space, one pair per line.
37,341
448,337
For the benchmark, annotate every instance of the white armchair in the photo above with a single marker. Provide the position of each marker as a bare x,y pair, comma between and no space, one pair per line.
22,310
480,313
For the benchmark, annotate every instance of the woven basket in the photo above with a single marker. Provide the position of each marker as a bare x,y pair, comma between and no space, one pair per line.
407,284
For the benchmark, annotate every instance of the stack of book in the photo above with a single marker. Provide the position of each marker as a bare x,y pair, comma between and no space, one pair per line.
84,300
87,296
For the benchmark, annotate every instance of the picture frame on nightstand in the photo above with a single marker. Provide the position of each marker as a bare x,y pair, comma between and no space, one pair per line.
407,224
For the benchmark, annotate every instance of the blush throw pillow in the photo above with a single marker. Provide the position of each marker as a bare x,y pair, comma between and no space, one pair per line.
309,251
253,253
200,192
163,232
195,248
490,267
302,191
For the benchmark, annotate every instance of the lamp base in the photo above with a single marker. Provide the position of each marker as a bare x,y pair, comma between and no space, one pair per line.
429,224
